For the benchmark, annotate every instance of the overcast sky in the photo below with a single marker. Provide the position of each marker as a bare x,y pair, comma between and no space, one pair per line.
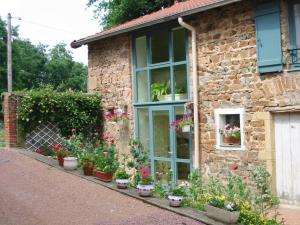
52,21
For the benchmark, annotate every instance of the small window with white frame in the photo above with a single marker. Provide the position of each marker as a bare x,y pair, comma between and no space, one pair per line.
229,128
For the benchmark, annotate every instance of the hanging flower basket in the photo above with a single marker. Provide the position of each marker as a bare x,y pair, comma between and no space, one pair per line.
186,128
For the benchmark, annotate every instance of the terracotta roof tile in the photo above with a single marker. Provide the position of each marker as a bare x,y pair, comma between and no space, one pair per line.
176,9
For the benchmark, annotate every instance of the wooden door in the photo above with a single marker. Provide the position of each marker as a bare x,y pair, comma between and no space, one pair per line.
287,143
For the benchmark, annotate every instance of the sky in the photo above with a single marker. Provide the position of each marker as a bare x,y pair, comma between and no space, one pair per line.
52,21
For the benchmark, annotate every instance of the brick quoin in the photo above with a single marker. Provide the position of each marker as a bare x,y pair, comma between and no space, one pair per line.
10,120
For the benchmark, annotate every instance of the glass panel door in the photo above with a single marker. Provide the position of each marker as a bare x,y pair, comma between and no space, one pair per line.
161,145
170,148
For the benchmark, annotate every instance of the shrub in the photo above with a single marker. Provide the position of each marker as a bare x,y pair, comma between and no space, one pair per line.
65,109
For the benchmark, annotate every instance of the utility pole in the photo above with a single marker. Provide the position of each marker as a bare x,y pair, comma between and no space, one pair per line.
9,57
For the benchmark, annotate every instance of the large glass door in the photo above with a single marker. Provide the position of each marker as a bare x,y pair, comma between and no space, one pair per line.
170,149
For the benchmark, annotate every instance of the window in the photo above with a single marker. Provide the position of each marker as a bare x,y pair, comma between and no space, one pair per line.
294,12
160,66
230,129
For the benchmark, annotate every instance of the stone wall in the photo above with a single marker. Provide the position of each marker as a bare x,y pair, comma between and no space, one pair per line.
228,77
110,74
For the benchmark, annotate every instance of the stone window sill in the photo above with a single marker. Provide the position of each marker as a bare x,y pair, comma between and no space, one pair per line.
230,148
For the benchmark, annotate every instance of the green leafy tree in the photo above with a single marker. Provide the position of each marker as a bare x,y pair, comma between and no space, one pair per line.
114,12
62,72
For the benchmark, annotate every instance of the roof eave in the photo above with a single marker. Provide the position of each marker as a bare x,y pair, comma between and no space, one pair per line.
79,43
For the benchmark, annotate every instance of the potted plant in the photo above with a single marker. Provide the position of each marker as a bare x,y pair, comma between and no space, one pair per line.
122,179
106,162
231,135
117,116
145,186
224,211
184,123
180,94
176,196
87,164
121,175
60,153
161,91
70,162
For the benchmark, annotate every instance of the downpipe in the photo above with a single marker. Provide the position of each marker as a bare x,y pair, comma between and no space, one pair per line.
195,92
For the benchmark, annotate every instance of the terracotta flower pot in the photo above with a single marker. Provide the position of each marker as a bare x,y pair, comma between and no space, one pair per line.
106,177
60,160
88,168
232,141
222,215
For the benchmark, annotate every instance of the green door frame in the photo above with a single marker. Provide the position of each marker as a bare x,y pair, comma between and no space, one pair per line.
173,156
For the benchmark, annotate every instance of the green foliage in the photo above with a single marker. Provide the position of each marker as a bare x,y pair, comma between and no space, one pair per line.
178,191
253,204
114,12
38,65
160,191
140,157
105,158
122,174
159,89
264,198
66,109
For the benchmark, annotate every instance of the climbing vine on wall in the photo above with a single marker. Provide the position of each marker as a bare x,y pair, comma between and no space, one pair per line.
66,110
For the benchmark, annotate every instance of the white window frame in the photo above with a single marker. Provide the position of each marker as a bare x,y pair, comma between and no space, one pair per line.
218,121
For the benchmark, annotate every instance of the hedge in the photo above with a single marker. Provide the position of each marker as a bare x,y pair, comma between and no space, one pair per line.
65,109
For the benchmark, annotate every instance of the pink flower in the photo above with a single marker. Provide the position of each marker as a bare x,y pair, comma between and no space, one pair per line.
72,137
73,130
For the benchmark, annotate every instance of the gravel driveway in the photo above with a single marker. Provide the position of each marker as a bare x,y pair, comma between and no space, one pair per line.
33,193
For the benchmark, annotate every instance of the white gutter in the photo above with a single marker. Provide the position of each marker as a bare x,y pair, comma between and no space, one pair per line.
195,92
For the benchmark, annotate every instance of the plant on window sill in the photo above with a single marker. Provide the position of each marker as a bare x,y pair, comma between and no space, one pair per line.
231,135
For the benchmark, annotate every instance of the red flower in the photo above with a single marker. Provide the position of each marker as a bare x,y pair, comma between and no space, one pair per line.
73,130
56,147
234,166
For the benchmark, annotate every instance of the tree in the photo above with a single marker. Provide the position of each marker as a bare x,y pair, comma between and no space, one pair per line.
114,12
62,72
37,65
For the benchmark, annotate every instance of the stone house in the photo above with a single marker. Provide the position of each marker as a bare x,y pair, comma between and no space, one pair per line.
246,56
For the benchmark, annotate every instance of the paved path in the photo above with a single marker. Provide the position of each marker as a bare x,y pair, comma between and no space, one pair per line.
32,193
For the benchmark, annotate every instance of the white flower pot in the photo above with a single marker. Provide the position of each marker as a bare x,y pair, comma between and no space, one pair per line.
145,190
186,128
181,96
175,201
165,98
122,183
70,163
222,215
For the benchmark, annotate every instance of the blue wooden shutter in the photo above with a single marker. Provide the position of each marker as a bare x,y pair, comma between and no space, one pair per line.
268,37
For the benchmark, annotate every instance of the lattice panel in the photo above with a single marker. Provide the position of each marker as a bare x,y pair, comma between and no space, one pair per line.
44,134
